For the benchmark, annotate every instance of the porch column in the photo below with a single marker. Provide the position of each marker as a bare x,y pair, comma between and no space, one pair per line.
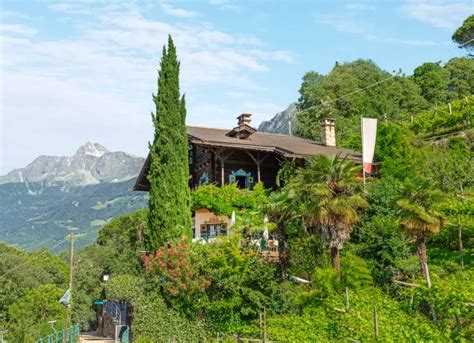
219,153
258,161
222,171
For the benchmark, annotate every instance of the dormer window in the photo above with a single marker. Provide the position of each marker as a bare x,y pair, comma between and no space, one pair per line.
243,130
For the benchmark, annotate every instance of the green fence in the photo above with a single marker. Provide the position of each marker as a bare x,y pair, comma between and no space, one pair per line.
126,336
70,335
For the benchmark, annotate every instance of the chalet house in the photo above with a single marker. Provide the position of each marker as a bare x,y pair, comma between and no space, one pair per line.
243,156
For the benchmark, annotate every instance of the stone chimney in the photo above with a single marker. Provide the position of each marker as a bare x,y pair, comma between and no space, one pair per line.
244,119
329,132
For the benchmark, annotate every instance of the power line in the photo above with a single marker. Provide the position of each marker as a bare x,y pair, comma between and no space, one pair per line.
355,92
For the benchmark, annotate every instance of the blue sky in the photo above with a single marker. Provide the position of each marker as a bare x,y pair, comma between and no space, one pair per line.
82,71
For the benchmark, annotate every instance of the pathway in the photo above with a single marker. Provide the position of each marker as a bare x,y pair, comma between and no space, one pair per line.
92,338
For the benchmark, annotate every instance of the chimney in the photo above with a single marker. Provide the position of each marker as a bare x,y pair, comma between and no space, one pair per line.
244,119
329,132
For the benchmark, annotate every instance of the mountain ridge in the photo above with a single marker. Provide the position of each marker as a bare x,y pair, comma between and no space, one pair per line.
91,164
279,123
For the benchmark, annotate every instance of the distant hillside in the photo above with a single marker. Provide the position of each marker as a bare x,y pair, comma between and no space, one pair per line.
279,123
54,195
38,215
91,164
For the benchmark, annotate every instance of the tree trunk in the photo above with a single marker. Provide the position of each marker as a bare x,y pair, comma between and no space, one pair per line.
423,260
336,262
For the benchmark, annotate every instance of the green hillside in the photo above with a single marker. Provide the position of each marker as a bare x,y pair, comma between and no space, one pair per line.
34,215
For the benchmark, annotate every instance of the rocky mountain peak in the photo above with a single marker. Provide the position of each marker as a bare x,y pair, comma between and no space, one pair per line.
91,164
91,149
280,122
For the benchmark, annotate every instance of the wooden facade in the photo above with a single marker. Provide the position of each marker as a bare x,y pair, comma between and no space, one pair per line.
245,156
229,165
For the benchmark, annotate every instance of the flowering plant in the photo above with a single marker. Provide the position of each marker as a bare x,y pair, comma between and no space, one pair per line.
179,282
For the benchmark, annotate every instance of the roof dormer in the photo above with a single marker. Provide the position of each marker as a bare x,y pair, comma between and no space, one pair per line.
243,130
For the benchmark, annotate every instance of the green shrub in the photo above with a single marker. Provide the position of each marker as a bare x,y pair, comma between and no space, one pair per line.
154,322
125,287
306,253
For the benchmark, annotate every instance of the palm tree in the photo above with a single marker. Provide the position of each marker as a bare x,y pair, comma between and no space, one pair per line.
281,209
420,218
330,192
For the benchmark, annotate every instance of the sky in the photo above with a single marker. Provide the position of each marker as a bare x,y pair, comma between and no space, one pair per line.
80,71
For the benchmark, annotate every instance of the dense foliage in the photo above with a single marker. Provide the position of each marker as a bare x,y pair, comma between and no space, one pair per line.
169,202
464,35
419,213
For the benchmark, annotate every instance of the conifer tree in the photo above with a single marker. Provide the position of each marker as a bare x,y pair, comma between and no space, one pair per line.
169,203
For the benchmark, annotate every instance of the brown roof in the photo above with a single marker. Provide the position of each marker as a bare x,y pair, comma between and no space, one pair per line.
285,145
289,146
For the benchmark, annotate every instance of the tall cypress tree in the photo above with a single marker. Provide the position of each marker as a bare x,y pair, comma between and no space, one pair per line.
169,203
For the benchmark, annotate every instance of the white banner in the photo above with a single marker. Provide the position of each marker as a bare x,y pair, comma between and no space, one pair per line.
369,133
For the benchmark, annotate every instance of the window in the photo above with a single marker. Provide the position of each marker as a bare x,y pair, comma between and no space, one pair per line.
213,230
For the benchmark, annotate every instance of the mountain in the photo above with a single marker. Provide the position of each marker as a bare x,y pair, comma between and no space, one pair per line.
279,123
55,195
91,164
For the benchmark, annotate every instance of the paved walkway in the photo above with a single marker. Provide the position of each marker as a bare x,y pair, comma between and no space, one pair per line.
91,337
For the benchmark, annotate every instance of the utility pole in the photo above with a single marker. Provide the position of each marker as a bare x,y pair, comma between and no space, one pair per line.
71,266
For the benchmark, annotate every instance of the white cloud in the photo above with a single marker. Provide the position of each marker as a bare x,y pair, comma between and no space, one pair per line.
17,29
278,55
225,5
177,12
418,42
347,22
96,85
444,15
359,7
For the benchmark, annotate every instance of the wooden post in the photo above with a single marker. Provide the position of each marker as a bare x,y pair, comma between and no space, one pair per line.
258,171
433,313
347,299
458,323
3,332
376,324
71,266
461,252
258,161
222,172
264,325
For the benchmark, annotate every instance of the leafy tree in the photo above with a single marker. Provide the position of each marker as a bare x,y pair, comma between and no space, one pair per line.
433,81
448,166
30,314
331,196
281,210
21,272
169,202
381,242
349,91
464,35
394,149
420,218
242,283
461,79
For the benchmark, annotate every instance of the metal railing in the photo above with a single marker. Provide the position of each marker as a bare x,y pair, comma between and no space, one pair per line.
70,335
114,310
207,236
126,335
